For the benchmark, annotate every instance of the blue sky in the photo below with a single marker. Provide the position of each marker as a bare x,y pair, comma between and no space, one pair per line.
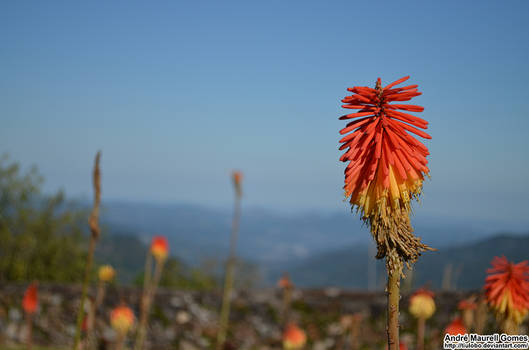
176,94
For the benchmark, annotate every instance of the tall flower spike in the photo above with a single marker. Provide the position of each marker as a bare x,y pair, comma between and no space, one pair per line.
386,165
507,289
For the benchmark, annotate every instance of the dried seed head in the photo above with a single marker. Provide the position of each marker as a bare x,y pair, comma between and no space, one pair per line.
94,216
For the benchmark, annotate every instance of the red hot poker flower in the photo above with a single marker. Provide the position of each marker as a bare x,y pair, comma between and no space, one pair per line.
285,282
467,304
160,248
122,319
294,337
456,327
386,164
237,182
507,289
30,301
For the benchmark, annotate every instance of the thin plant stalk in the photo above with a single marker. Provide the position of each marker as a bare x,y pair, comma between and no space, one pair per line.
228,280
285,310
140,337
95,232
80,313
351,336
120,341
393,290
148,273
29,336
150,287
156,280
481,316
100,296
508,326
354,338
421,325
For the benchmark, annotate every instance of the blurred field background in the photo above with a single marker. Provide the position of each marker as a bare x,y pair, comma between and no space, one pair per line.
178,95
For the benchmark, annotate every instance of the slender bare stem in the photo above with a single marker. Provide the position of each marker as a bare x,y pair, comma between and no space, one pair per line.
29,325
144,303
228,279
421,323
95,231
147,273
100,296
285,310
509,326
156,280
120,341
80,313
354,336
144,307
150,287
394,272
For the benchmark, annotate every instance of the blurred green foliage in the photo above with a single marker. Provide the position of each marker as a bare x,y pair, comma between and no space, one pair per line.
44,237
41,235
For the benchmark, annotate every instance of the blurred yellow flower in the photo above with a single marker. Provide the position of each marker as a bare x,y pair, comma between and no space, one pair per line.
106,273
422,304
122,319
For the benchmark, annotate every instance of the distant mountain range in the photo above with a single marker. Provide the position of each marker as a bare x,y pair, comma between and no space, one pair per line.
460,266
317,249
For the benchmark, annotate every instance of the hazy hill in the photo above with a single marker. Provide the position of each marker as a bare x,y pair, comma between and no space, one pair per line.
318,249
197,232
347,267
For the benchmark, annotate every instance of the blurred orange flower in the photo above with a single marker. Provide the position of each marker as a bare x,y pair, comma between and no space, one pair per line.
422,304
294,337
122,319
456,327
30,301
386,164
159,248
237,182
467,304
285,282
507,288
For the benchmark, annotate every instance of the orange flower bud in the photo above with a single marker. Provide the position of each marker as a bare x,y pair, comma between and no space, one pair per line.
294,337
30,301
159,248
467,304
122,319
285,282
456,327
237,182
